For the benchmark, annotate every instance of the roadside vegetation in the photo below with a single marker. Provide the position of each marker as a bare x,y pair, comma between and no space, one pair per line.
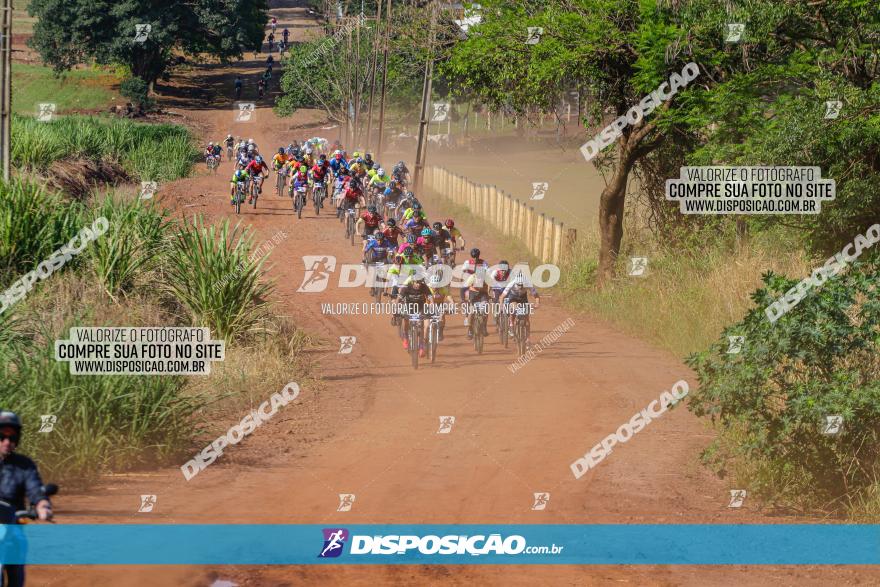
79,89
139,273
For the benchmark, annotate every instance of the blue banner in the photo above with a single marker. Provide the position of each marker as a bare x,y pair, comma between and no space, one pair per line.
629,544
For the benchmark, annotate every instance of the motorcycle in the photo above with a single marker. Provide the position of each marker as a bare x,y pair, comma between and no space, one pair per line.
9,516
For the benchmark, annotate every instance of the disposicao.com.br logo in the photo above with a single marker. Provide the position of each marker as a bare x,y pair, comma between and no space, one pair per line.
450,544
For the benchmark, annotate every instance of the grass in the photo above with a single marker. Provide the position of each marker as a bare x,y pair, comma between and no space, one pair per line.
118,423
78,89
160,152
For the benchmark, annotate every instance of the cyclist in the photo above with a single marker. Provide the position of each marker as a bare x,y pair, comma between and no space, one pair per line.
300,179
439,295
454,233
337,163
209,152
425,242
230,145
500,278
376,248
218,150
309,158
19,479
414,295
443,239
353,196
416,225
516,293
371,219
256,168
319,172
400,172
270,61
285,34
274,23
239,175
391,231
379,181
238,86
478,292
368,160
414,211
469,268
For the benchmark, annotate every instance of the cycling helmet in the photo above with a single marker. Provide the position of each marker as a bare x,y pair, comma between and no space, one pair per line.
374,166
380,171
210,144
503,265
427,232
391,222
322,157
10,420
302,168
475,253
437,226
309,151
368,156
356,154
338,156
411,239
250,141
359,160
281,150
417,207
518,282
250,148
371,209
229,136
258,159
450,223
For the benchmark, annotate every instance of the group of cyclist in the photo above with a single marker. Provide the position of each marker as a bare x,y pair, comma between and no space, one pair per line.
392,222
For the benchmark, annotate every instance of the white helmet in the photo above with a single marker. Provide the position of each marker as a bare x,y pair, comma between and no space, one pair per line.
250,148
380,171
309,151
250,141
228,136
210,144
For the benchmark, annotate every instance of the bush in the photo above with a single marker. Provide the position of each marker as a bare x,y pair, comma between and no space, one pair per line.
33,223
210,272
771,400
136,90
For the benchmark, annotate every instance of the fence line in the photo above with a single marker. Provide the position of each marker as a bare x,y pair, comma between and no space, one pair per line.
544,237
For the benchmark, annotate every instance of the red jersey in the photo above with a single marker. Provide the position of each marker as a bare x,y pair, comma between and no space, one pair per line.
254,168
371,220
351,194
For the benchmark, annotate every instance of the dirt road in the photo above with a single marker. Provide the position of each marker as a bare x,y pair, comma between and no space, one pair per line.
371,429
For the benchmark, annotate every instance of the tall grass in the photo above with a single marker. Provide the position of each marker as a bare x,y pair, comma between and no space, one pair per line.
202,257
104,422
147,151
131,244
684,301
33,223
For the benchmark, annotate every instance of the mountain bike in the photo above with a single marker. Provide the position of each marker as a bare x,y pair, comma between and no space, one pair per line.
318,192
229,152
255,188
240,191
501,324
433,337
376,290
280,181
414,336
212,162
478,324
350,222
521,327
299,201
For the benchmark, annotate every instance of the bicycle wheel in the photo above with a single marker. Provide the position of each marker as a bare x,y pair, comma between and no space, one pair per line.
414,340
239,196
502,328
299,204
316,200
433,340
478,334
520,332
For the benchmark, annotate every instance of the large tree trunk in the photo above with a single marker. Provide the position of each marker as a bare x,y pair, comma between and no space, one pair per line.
611,208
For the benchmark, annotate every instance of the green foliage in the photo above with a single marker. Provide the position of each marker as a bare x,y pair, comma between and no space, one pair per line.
33,224
136,90
104,422
147,151
131,244
201,258
69,32
80,89
771,400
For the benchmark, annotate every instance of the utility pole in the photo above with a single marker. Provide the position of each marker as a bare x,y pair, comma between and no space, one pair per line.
384,79
373,72
426,97
6,86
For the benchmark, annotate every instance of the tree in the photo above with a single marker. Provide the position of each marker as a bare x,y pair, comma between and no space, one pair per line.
70,32
619,52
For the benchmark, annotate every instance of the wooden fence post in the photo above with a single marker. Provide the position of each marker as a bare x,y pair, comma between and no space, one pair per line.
557,242
547,253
